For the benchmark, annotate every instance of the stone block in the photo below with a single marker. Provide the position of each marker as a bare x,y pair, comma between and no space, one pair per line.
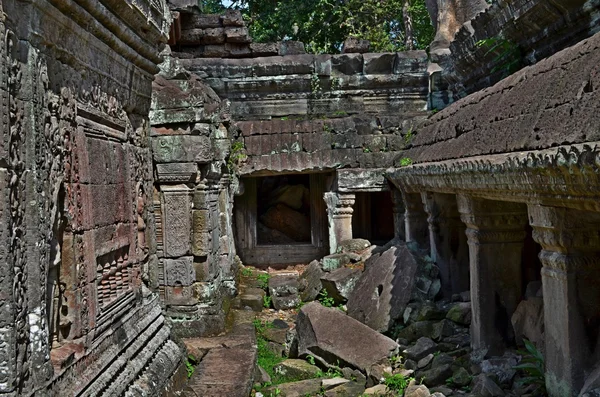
335,261
177,220
237,50
202,21
379,63
232,18
253,298
339,283
213,36
237,35
180,296
329,335
310,282
297,369
179,272
355,45
391,273
283,289
191,37
264,49
411,61
182,149
348,64
528,321
177,172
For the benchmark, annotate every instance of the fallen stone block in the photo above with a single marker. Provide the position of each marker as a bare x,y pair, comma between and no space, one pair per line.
346,389
484,386
528,322
335,261
310,387
415,390
460,313
283,289
382,292
309,283
356,245
340,282
297,369
422,348
334,338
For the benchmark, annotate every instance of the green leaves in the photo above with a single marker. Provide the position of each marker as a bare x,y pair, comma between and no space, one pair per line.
533,367
323,25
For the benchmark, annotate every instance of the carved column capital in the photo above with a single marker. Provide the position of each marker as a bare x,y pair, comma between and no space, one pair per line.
492,221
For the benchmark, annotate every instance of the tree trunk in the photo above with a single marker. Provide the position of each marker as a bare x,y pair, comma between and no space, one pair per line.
409,42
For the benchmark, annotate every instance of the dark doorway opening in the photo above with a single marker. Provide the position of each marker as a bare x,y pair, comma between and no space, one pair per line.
373,217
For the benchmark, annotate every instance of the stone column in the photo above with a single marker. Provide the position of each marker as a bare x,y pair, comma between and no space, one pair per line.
570,241
415,220
339,214
496,234
398,210
448,242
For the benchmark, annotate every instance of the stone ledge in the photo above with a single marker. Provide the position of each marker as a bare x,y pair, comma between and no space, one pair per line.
565,176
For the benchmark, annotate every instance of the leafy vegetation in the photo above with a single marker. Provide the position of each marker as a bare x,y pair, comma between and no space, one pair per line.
325,299
396,382
190,365
236,156
323,25
263,280
267,301
533,367
405,161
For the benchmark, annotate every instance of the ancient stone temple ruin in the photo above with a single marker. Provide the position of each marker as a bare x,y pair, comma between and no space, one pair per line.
154,159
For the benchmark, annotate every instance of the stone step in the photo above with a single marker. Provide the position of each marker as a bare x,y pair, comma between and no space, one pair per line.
227,362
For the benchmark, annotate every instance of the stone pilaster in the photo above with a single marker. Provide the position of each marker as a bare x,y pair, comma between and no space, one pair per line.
398,210
447,241
570,241
415,220
496,234
339,214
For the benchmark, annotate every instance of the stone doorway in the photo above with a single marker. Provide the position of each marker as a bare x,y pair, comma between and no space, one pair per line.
373,217
281,219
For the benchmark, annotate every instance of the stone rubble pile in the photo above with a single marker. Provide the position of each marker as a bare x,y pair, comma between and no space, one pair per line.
396,327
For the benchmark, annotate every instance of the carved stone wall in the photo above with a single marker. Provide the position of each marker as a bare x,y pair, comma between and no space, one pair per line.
191,147
77,228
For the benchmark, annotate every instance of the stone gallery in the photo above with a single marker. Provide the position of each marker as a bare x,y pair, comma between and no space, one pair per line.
181,205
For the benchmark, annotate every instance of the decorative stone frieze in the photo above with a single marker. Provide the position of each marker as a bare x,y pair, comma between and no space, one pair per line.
496,235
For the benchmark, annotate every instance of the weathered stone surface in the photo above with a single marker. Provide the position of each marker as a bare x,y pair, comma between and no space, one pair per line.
335,261
354,44
309,283
339,283
379,63
297,369
329,335
414,390
460,313
385,287
179,272
422,348
182,149
346,389
295,389
528,321
253,298
283,289
356,245
291,48
484,386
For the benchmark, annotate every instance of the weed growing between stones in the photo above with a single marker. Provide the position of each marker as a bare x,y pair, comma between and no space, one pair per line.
267,301
396,382
533,367
325,299
190,365
263,280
